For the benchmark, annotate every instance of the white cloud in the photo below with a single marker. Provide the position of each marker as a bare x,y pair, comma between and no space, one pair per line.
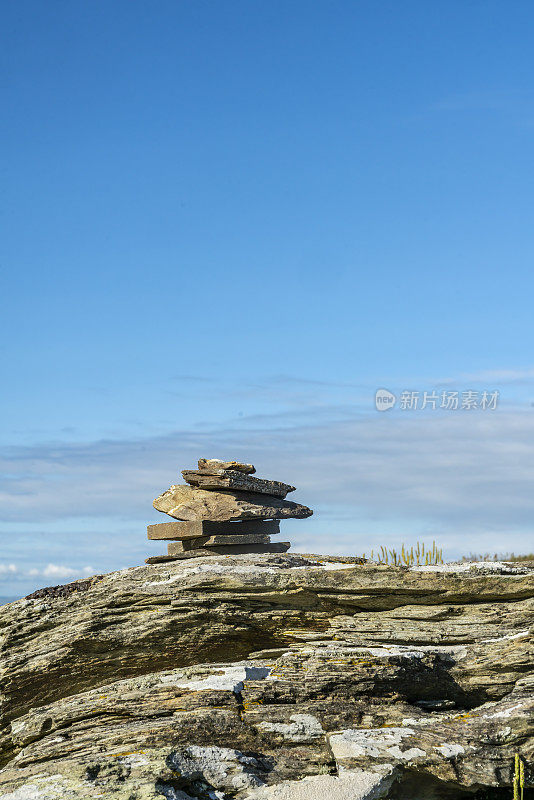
495,377
63,571
60,571
460,466
6,569
465,477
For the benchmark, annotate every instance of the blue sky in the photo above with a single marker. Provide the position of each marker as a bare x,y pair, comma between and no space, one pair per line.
224,226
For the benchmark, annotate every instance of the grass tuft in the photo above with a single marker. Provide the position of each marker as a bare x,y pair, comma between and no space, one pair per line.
415,556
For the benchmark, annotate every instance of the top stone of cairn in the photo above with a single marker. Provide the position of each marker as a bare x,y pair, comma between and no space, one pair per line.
232,479
216,475
209,464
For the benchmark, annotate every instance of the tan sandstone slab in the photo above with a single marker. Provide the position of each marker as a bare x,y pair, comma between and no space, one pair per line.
180,530
232,479
188,503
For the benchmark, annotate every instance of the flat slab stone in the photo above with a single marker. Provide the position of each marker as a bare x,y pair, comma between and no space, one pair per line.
160,559
216,541
180,530
334,559
188,503
216,463
232,479
230,550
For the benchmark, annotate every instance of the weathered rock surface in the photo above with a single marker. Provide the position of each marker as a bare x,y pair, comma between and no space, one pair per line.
231,479
269,678
209,464
179,529
188,503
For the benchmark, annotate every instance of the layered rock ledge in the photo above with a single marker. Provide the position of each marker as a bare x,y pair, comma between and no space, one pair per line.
269,677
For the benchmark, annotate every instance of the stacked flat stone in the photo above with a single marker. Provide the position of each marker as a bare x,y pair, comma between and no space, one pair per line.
223,509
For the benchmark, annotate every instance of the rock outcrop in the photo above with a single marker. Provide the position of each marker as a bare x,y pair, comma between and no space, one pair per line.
270,677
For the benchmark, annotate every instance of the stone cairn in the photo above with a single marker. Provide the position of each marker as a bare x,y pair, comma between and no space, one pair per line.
225,510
